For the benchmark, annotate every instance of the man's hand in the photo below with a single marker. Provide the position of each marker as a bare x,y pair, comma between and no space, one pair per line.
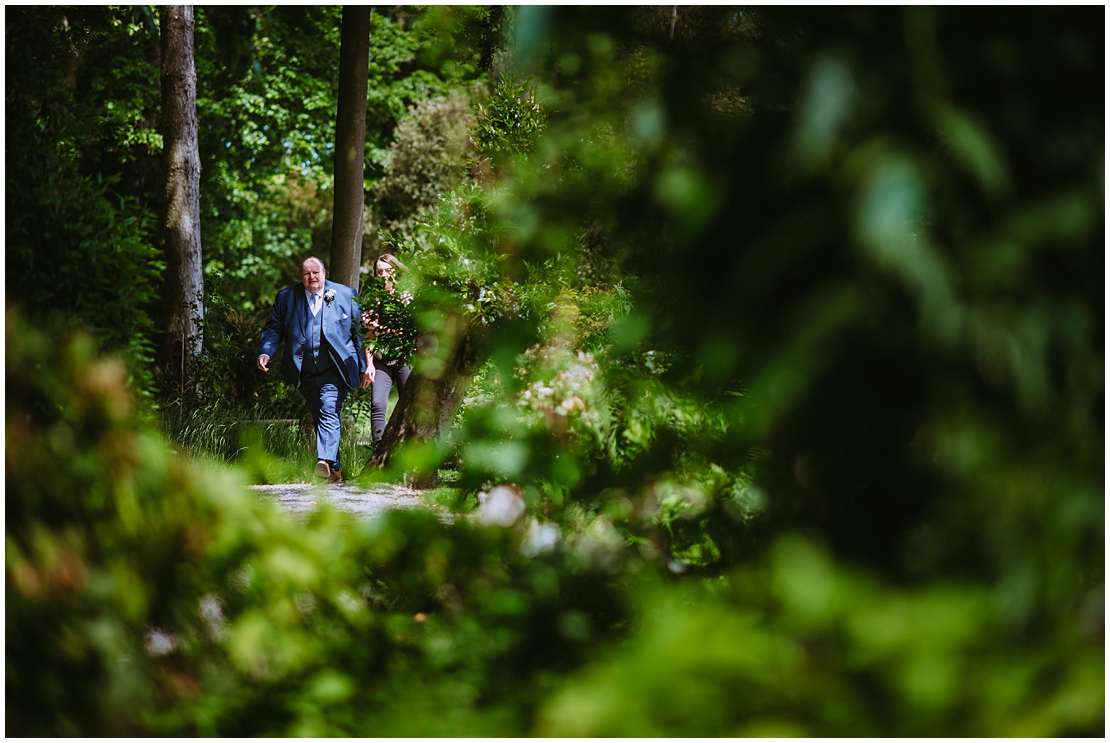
263,360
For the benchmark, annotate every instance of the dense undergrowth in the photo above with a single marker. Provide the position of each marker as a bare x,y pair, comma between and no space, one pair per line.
174,601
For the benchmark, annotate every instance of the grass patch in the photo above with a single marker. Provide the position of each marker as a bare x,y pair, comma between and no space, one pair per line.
269,448
455,500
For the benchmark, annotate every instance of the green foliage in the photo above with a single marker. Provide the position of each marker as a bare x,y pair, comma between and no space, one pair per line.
462,41
788,325
104,270
453,499
76,247
424,161
95,553
147,595
265,107
843,317
507,126
545,412
832,308
266,101
801,646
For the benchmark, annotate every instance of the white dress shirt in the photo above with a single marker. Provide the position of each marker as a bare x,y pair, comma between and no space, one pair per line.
314,301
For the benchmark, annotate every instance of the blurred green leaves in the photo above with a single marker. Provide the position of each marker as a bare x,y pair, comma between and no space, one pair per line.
975,149
77,247
827,103
147,594
802,646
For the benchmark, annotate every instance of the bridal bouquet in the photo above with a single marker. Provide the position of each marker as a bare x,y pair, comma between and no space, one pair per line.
388,325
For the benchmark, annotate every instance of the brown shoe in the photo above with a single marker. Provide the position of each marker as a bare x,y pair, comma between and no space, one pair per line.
323,469
335,476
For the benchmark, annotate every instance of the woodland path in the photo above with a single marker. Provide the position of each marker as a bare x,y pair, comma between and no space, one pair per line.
363,501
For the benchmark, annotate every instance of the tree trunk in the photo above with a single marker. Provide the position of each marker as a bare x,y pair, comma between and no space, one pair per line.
427,406
184,278
350,146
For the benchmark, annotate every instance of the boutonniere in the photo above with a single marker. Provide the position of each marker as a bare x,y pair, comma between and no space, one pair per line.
329,295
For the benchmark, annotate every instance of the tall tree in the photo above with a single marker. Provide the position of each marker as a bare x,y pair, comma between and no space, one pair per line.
350,145
184,278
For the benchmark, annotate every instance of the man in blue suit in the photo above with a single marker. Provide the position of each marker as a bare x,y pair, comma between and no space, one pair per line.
323,357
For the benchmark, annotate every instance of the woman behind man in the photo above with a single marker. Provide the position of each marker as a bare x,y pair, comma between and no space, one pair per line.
384,373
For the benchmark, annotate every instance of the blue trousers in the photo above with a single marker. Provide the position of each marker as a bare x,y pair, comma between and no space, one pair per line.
325,393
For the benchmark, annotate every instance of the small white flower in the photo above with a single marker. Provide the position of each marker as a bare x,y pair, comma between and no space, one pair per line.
158,642
329,295
541,538
501,507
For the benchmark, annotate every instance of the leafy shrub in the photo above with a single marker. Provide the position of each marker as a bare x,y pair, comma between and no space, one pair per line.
798,645
105,537
506,126
79,242
226,370
149,595
425,161
105,270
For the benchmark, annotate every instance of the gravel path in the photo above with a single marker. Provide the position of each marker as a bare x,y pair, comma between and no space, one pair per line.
364,501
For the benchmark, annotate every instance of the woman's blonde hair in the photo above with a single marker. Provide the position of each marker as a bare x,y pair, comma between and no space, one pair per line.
391,260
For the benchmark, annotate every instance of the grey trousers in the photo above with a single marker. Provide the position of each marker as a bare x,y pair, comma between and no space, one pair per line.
385,377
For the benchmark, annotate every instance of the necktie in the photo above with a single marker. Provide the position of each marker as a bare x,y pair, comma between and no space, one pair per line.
315,304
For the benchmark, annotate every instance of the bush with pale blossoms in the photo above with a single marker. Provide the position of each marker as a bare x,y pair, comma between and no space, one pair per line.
563,391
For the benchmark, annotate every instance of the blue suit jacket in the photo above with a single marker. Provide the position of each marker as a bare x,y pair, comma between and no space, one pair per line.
289,322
